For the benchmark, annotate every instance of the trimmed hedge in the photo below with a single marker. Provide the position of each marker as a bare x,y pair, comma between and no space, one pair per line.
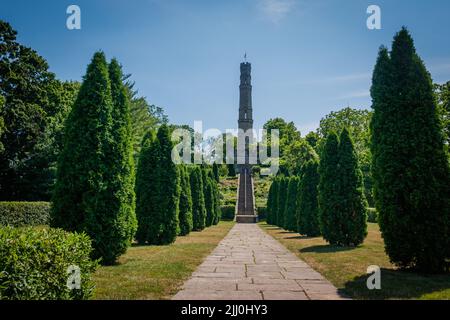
228,213
34,264
262,213
21,214
372,215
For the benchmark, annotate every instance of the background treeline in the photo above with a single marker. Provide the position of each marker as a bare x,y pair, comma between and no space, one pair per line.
34,105
394,158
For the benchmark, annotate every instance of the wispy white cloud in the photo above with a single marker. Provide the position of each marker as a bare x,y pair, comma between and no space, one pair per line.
276,10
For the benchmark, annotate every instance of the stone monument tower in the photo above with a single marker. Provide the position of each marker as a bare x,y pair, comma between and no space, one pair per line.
245,98
245,206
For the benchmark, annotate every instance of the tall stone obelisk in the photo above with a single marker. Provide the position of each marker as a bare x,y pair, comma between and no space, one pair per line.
245,207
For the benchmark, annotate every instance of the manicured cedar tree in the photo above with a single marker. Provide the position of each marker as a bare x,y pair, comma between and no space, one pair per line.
169,186
209,202
274,206
198,200
147,191
327,196
291,204
307,203
113,225
351,208
95,171
185,209
270,202
282,197
410,168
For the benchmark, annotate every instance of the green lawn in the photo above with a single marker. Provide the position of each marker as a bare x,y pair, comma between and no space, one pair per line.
157,272
346,267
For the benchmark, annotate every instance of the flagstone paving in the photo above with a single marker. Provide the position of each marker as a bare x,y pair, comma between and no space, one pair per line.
248,264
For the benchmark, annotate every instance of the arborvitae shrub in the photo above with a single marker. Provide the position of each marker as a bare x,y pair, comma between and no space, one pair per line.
185,210
157,190
341,195
274,205
112,225
270,202
169,186
290,212
327,197
307,203
147,191
217,207
209,203
198,200
123,179
352,210
80,167
410,168
94,192
282,197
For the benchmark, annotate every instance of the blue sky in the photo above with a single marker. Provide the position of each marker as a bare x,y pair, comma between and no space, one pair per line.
309,57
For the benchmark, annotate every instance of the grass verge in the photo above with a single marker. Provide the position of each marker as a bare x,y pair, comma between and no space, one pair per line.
346,267
157,272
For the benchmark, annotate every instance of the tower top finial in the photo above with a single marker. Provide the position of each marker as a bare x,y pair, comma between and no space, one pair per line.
245,57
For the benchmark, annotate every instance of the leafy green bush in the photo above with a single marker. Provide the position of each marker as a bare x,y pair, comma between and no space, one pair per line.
21,214
228,213
34,264
372,215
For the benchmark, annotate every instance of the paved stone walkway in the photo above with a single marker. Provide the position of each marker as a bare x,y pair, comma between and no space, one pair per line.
248,264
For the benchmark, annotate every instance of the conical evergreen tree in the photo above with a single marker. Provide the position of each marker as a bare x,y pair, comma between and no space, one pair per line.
270,203
410,168
147,191
282,197
291,205
351,209
158,191
198,200
185,215
307,203
218,210
209,202
112,225
95,171
169,187
79,174
216,199
328,197
275,197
